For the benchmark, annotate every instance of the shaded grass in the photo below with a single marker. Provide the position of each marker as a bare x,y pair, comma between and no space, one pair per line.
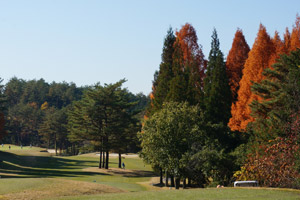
41,175
200,194
28,163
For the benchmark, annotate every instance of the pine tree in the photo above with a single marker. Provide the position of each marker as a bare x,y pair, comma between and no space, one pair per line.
258,59
217,94
235,62
161,83
280,94
101,116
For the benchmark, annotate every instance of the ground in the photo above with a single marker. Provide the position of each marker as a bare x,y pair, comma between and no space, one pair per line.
34,173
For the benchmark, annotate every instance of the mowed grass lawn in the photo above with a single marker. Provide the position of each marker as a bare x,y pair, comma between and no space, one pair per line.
199,194
33,173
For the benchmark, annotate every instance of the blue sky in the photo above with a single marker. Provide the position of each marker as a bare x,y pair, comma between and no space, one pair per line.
91,41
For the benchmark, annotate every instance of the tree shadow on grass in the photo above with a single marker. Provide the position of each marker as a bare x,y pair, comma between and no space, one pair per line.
19,166
136,173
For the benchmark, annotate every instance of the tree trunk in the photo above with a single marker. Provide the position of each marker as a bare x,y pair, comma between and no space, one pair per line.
161,177
120,159
103,164
49,143
184,183
60,149
100,162
167,179
172,181
189,182
107,159
177,183
55,144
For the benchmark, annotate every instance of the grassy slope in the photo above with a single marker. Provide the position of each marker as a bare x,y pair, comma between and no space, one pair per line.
33,173
29,168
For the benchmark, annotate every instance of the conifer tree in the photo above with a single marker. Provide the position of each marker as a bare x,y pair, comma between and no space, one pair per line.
280,94
295,36
217,94
279,48
188,67
101,116
287,40
162,78
258,59
235,62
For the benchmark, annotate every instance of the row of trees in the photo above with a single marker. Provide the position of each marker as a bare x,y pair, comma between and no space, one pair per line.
65,117
35,110
267,108
243,111
185,134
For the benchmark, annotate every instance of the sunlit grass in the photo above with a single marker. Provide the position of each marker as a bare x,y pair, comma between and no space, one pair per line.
33,173
199,194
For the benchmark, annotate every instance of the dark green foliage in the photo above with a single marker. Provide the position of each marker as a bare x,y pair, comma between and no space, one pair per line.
280,94
182,86
23,122
26,101
178,140
3,102
161,83
35,91
217,94
62,94
104,116
53,129
14,90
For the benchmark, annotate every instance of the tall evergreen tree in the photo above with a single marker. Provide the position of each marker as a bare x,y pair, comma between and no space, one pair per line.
217,94
235,62
161,83
189,63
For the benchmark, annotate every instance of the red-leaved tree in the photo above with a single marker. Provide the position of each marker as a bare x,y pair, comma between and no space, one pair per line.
235,62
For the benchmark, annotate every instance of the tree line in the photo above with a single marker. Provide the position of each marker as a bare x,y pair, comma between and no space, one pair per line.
209,121
215,121
71,119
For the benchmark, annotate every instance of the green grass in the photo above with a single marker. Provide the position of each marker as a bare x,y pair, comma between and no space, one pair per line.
37,163
31,171
17,185
199,194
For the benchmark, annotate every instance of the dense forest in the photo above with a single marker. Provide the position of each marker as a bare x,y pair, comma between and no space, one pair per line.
206,122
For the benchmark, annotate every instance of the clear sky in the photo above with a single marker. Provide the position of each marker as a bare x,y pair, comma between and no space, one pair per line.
90,41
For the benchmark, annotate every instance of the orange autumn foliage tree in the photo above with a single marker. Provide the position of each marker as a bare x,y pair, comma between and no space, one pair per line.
287,40
235,62
258,59
279,48
295,36
193,57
